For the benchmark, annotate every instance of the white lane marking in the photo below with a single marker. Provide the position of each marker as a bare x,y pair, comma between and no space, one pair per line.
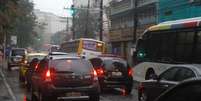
104,99
8,87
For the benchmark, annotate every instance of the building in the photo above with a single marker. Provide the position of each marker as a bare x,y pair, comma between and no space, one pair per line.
178,9
122,35
51,23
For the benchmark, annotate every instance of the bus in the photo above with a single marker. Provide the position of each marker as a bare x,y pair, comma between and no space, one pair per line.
167,44
86,47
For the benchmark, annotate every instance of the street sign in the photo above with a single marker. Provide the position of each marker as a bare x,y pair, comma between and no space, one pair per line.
13,40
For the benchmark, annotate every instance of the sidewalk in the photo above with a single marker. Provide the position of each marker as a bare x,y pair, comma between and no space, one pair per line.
4,93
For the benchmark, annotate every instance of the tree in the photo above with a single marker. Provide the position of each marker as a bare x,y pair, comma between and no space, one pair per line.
17,18
85,25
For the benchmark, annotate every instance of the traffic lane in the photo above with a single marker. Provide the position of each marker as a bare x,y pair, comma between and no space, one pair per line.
21,93
117,95
12,77
4,95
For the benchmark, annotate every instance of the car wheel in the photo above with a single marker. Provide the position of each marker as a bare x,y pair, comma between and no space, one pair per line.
21,78
128,89
9,67
94,97
142,97
33,97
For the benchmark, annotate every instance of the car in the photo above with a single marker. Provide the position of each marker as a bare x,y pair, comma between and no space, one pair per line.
150,89
25,66
65,78
16,57
188,90
113,72
57,54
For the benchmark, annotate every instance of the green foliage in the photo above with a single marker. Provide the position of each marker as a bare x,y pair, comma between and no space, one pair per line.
18,19
82,22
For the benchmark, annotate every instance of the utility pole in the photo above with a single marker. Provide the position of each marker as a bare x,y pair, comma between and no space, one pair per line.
135,21
73,23
101,20
86,29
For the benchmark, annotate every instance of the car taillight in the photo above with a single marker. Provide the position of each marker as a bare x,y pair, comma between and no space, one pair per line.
36,66
48,76
95,75
130,72
100,71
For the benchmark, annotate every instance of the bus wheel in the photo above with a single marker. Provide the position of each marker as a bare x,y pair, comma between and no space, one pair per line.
149,74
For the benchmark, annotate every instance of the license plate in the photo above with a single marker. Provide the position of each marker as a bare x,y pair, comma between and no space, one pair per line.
116,74
73,94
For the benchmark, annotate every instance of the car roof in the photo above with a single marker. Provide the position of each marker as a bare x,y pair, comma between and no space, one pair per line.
55,57
32,54
58,53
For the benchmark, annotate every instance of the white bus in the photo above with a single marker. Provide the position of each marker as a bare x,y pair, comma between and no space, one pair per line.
167,44
86,47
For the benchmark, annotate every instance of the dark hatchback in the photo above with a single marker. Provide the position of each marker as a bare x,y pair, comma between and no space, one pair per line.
113,72
69,78
149,90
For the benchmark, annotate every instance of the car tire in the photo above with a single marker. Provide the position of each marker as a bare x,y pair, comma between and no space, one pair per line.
128,89
33,97
9,67
94,97
21,78
142,97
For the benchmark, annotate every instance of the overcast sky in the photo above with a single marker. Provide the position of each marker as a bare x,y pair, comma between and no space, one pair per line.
53,6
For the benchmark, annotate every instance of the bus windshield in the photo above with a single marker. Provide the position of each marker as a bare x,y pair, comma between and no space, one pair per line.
182,46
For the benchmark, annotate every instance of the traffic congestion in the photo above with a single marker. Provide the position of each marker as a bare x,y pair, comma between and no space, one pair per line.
100,50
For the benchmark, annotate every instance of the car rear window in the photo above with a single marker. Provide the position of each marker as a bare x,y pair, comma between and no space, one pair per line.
16,52
40,57
71,65
110,63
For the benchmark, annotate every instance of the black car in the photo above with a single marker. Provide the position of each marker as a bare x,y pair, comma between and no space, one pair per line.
188,90
69,78
113,72
149,90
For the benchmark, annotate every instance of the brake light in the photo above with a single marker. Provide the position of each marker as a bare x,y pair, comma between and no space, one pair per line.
48,76
100,71
130,72
36,66
95,75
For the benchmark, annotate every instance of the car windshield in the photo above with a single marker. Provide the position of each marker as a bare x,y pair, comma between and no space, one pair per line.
71,65
111,63
19,52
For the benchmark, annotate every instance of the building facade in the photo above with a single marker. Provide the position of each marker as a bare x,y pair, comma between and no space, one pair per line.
122,35
178,9
51,23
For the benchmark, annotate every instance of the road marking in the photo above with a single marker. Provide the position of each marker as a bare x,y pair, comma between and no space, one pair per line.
8,87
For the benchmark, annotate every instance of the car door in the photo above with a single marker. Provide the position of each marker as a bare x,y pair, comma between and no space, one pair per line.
37,75
155,87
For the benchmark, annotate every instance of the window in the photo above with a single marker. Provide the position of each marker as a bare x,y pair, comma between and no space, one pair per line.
169,74
71,65
184,73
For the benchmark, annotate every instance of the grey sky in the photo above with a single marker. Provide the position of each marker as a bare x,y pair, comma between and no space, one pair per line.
53,6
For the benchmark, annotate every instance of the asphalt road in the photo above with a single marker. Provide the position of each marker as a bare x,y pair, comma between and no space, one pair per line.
12,90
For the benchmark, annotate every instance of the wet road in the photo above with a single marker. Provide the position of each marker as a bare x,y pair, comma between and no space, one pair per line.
12,90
